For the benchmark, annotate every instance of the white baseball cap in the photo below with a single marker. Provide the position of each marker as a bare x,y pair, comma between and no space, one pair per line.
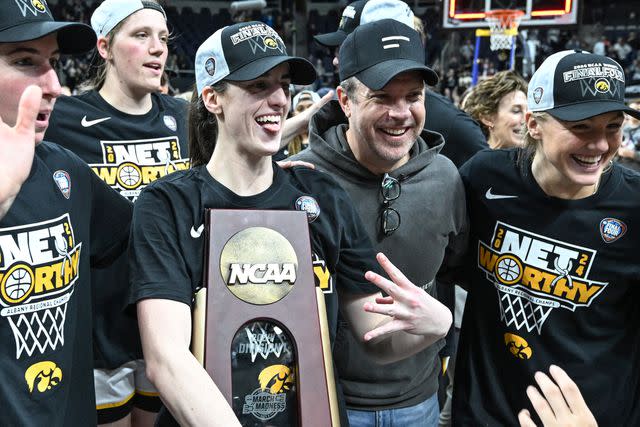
112,12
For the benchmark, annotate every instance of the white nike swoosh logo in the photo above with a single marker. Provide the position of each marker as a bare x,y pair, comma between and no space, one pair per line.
87,123
490,196
196,233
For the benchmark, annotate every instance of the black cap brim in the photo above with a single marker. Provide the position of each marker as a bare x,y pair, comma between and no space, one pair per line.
585,110
377,76
302,71
331,39
73,37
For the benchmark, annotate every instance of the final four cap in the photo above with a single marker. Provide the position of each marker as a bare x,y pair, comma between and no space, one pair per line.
246,51
112,12
377,52
348,22
574,85
25,20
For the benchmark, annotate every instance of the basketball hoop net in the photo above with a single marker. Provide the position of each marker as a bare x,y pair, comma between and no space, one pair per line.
503,25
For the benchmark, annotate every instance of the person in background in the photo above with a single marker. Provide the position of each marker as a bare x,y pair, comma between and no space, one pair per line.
629,151
130,135
301,102
499,104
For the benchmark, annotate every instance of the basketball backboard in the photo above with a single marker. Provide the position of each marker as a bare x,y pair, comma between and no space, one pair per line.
471,13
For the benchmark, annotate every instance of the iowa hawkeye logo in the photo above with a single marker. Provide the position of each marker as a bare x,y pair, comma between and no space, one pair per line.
534,274
128,166
38,270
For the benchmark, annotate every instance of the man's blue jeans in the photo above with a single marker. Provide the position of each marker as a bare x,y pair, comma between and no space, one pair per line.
424,414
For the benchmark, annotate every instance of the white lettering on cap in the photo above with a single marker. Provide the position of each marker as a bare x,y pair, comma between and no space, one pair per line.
349,12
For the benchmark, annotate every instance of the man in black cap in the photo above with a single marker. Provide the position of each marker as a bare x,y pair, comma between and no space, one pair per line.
53,226
409,198
462,135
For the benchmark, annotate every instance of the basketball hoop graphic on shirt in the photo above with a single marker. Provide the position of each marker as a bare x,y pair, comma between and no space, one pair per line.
39,266
534,274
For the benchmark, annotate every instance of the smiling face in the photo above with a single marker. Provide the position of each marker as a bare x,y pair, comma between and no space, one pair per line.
137,54
251,113
506,123
384,124
29,63
571,156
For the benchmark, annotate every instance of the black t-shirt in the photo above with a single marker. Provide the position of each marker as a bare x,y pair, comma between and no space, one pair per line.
63,220
167,226
551,281
127,152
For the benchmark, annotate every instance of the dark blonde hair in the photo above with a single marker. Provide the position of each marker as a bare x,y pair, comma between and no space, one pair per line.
530,144
483,99
203,127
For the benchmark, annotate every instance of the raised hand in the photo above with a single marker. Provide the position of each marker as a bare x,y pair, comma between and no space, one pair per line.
560,404
17,145
410,308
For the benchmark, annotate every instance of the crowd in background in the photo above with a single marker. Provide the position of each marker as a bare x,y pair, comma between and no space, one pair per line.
450,53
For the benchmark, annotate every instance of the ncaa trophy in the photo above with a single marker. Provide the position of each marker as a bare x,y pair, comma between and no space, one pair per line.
259,322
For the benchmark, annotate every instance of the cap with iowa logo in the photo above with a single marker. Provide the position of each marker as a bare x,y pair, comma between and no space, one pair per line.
245,51
25,20
574,85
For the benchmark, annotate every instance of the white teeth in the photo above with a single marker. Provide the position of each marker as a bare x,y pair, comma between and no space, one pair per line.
588,159
394,131
268,119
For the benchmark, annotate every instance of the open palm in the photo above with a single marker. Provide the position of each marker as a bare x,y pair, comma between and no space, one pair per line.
17,145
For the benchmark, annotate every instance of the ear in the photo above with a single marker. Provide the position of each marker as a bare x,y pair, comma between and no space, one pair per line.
344,101
103,47
533,125
211,100
487,121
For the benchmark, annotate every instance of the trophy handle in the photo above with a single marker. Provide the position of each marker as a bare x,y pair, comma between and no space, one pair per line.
198,328
328,358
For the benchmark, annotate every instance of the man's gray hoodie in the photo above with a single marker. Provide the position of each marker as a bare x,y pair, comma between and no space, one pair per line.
432,233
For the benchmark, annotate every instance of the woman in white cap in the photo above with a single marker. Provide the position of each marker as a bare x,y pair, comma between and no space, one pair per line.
554,275
130,135
243,74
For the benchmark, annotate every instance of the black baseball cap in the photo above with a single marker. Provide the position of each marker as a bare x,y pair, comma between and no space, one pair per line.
574,85
348,22
246,51
25,20
378,51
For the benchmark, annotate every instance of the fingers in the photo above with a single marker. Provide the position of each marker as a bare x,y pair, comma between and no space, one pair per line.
384,300
385,285
286,164
326,98
552,394
572,395
568,387
541,406
384,329
301,163
524,417
394,273
28,110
